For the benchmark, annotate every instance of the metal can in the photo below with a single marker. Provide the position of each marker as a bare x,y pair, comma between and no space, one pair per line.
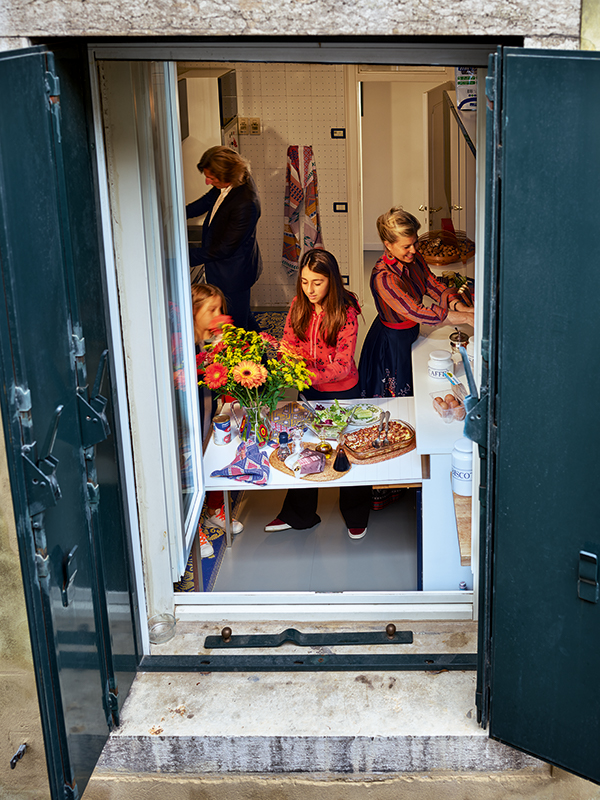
222,429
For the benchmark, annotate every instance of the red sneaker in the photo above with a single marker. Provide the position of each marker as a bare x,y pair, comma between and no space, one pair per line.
357,533
277,525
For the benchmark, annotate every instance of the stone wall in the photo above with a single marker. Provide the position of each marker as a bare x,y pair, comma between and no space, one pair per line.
543,23
20,718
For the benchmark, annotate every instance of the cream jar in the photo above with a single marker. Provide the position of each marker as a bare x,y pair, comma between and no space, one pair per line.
440,362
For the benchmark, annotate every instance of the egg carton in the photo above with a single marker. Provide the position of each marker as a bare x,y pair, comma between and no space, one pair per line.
446,410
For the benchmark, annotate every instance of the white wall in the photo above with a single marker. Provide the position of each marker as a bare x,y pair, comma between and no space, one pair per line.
205,131
394,146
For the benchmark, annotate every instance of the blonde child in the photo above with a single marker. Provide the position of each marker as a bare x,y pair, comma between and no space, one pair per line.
208,309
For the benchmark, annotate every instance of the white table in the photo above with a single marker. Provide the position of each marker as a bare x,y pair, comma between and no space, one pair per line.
400,471
442,570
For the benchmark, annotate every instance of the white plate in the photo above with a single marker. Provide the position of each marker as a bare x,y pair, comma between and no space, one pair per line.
359,422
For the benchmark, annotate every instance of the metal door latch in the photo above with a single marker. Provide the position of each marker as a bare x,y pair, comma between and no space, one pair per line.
43,490
93,421
18,756
69,572
587,585
389,636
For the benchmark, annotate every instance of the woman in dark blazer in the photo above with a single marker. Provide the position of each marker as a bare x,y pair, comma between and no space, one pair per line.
229,249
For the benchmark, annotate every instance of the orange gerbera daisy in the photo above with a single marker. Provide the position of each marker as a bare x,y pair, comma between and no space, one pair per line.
215,376
249,374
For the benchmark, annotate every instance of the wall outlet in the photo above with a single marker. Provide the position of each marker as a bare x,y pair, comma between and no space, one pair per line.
243,125
254,123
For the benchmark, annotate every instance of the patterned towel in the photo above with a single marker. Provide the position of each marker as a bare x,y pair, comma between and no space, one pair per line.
300,191
250,465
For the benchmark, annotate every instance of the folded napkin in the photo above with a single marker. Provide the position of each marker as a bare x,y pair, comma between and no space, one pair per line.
250,465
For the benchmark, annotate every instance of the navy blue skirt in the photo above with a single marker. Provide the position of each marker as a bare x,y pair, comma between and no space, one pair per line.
385,366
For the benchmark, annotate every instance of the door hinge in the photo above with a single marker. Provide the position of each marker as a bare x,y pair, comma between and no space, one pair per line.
93,491
476,419
52,84
53,92
490,89
111,697
22,402
70,791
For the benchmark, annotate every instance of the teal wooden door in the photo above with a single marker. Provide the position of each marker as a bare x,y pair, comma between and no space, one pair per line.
57,419
540,611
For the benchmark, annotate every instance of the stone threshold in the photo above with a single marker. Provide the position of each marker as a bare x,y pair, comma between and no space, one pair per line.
346,723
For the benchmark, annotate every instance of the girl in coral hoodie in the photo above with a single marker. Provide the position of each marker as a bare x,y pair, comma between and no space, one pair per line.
322,325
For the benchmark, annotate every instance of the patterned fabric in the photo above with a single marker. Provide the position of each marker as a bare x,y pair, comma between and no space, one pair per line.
398,290
300,233
250,465
271,322
334,366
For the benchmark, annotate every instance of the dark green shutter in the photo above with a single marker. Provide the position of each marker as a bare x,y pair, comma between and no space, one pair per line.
540,611
58,419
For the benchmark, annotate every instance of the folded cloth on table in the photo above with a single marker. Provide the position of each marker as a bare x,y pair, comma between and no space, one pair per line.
250,465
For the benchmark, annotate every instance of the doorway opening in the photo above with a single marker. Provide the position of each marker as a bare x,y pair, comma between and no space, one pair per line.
274,100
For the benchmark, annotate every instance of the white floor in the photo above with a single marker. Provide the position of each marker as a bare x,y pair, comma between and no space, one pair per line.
323,558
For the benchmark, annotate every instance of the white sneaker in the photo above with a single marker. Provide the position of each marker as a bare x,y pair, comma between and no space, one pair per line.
218,519
206,550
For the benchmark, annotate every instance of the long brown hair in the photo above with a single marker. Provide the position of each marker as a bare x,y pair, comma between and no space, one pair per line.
336,302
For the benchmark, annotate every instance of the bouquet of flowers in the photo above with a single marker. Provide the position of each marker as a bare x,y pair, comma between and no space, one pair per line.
253,368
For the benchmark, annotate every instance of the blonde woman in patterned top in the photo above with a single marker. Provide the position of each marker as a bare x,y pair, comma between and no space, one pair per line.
399,282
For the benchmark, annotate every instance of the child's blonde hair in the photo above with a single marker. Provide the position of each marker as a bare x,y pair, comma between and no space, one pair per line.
201,292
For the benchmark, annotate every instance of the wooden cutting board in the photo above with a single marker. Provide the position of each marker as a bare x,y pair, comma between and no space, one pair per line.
328,474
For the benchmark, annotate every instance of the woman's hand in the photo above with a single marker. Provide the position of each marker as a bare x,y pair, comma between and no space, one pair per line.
462,317
460,306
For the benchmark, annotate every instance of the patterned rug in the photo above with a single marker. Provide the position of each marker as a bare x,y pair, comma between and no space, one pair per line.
202,577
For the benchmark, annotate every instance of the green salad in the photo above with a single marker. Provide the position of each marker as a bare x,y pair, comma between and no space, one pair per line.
334,415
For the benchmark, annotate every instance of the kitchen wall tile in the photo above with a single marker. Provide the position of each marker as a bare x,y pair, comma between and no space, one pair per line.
297,104
273,83
298,84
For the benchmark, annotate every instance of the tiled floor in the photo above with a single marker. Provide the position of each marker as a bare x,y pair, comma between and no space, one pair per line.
322,558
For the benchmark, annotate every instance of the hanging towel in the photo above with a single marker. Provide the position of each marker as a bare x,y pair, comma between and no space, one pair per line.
250,465
300,233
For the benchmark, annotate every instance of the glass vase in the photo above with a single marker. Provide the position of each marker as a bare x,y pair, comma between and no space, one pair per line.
254,423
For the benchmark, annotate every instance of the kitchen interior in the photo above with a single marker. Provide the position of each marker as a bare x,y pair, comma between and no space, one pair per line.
381,136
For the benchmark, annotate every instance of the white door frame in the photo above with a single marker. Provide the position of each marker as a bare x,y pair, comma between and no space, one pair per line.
157,582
